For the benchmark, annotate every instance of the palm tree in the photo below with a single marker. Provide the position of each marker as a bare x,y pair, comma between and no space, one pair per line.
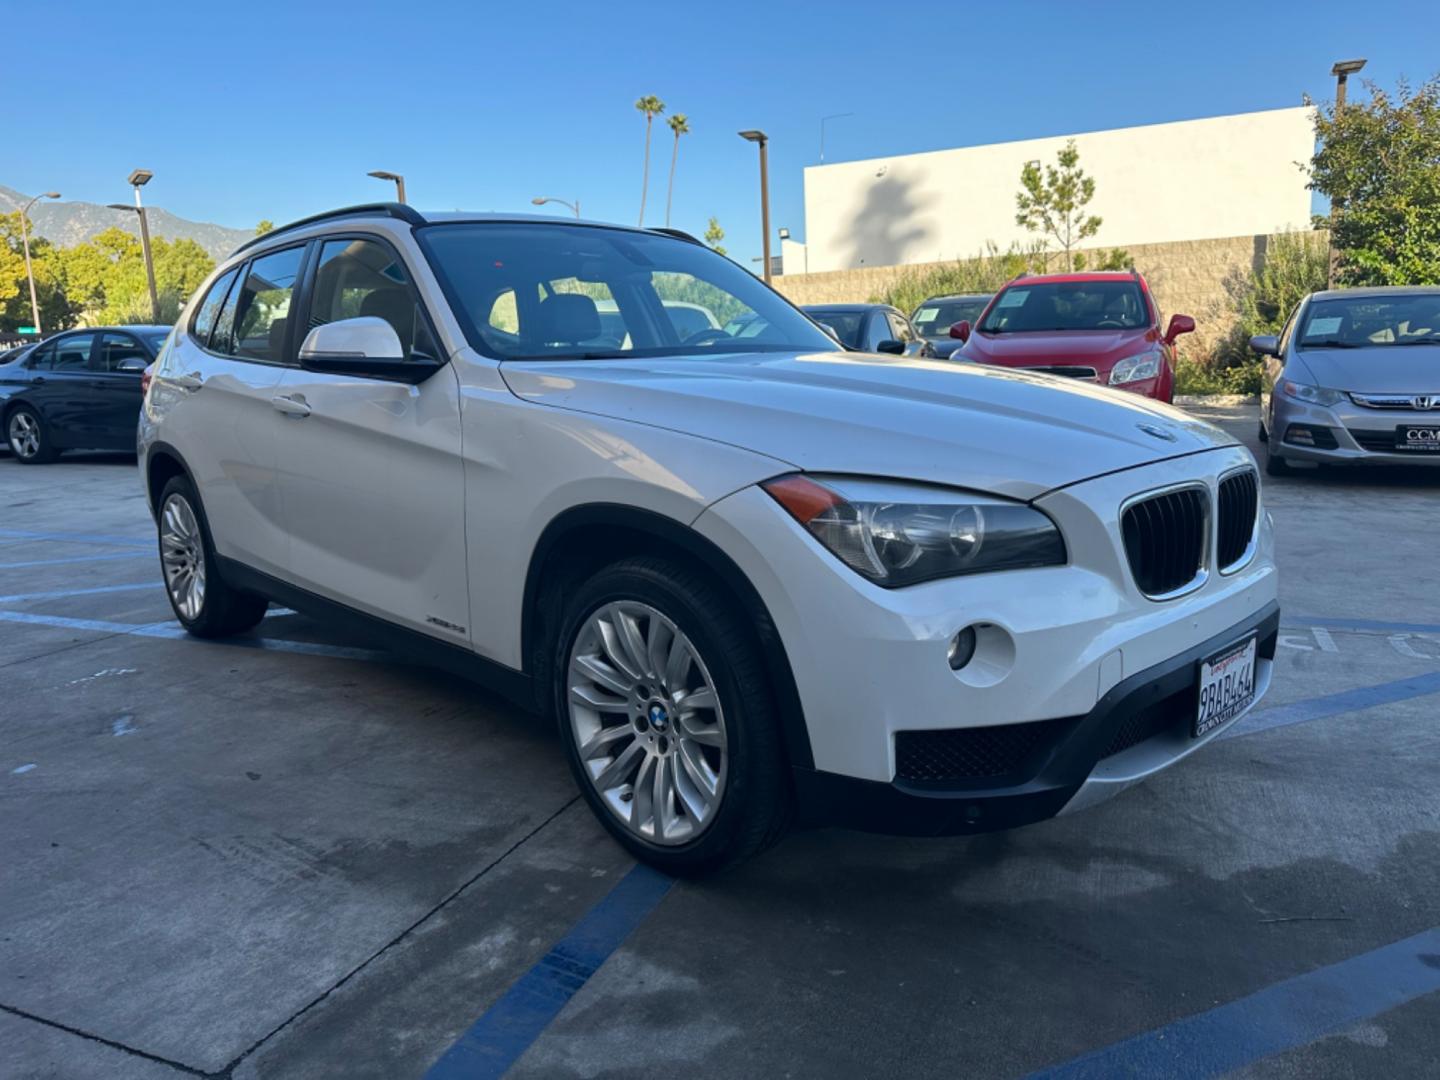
652,107
680,125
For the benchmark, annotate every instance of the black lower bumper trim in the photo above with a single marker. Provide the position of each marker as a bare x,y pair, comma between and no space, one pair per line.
911,810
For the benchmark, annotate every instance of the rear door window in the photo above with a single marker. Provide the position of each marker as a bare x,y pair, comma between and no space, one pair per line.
119,353
209,312
70,353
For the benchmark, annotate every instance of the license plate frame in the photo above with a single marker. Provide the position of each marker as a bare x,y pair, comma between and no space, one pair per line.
1405,438
1232,668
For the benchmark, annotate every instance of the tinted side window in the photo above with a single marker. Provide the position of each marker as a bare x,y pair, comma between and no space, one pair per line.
117,349
209,310
262,309
71,353
364,277
899,328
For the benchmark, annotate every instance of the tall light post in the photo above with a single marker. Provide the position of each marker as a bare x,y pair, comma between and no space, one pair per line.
760,139
25,241
138,179
399,181
832,116
541,200
1342,70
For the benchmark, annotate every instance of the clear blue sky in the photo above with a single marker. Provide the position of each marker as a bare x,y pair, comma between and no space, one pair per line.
275,110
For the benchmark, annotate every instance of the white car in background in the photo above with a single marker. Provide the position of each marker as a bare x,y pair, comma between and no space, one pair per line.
751,575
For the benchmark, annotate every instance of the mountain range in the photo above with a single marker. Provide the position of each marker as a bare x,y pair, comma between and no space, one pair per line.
67,223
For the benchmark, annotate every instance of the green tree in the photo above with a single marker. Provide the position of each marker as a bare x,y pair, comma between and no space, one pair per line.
652,107
264,226
714,234
680,125
1379,164
1053,204
105,279
15,311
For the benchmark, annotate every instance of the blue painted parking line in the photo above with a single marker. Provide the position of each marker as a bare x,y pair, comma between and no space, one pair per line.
101,626
1304,622
510,1026
1281,1017
57,594
1318,708
77,538
74,559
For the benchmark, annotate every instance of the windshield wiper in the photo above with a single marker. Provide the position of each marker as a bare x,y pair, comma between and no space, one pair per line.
1429,339
1329,344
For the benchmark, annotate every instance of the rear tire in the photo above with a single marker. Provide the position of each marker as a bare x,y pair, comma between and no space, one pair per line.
29,441
205,605
688,790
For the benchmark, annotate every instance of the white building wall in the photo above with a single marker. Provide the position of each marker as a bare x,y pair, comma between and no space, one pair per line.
1190,180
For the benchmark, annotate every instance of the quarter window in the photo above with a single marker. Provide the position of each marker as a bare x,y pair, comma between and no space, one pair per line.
262,310
210,307
365,278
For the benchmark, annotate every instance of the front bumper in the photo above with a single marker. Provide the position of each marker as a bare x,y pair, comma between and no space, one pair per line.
1072,773
1356,435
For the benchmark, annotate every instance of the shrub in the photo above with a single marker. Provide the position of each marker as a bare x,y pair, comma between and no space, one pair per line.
984,273
1295,265
1198,377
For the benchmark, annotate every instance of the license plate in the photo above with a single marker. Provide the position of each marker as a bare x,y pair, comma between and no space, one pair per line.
1227,685
1418,437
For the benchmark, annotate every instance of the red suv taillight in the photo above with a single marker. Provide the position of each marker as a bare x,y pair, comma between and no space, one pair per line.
145,379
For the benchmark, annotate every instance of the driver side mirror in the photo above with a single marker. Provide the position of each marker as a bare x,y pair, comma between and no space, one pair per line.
1265,344
131,367
892,346
961,330
366,347
1179,324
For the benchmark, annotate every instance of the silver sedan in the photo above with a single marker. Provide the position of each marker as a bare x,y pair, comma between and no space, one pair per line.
1354,379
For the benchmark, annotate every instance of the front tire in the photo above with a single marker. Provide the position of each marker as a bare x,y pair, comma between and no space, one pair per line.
1275,465
205,605
668,719
29,441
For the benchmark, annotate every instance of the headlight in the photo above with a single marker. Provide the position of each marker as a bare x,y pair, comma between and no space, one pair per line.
899,534
1311,395
1145,365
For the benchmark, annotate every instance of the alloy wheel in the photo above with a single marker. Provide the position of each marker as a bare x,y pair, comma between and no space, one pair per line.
647,722
182,556
24,435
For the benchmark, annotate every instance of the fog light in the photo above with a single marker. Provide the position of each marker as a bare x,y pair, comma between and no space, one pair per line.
962,648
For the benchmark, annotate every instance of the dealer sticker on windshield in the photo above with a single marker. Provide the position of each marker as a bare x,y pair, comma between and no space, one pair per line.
1227,685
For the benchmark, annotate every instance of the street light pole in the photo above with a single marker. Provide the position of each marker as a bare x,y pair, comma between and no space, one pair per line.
760,139
380,174
25,241
541,200
1342,70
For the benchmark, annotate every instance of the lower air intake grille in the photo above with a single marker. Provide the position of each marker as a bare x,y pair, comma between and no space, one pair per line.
1165,540
1239,501
1165,715
982,753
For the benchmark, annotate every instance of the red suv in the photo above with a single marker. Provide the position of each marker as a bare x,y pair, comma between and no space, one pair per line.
1102,327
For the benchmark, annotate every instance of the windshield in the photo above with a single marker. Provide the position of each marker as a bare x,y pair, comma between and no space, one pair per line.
530,291
846,324
1031,307
934,318
1365,321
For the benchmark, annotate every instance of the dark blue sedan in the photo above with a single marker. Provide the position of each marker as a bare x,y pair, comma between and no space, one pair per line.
77,390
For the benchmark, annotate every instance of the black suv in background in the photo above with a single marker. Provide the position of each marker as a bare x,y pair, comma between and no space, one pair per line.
935,316
80,390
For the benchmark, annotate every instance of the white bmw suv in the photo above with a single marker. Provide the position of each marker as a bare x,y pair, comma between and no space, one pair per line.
753,576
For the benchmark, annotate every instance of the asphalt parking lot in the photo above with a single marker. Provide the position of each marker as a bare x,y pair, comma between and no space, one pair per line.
291,856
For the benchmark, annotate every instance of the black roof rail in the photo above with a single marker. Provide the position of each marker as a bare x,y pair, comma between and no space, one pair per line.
390,209
679,234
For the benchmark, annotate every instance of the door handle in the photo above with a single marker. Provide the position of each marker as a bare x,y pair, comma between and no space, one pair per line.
290,406
192,381
38,380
